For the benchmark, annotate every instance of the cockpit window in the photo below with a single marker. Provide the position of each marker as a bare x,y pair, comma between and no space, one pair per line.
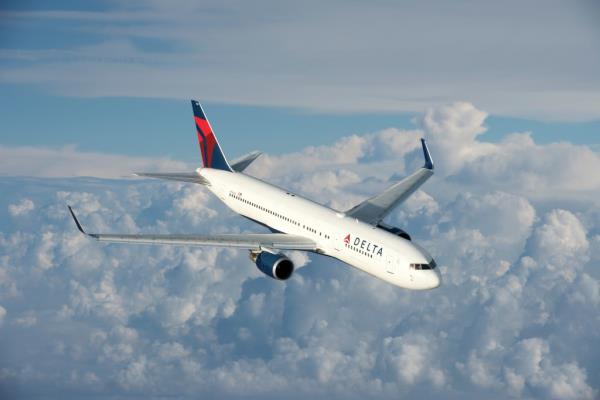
431,265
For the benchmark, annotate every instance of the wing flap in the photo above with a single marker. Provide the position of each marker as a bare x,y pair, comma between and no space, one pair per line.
250,241
176,176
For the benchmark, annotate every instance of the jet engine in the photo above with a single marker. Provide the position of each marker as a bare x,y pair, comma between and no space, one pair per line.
394,230
277,266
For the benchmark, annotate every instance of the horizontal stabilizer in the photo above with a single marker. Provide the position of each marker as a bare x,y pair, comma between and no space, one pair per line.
243,162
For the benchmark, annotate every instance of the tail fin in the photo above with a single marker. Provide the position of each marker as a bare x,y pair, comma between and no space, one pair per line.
212,155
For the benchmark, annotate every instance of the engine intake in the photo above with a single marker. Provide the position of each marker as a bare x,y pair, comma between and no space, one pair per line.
277,266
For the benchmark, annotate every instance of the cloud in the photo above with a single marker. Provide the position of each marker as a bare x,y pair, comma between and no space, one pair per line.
22,208
410,358
561,240
516,163
515,316
412,58
533,366
68,161
453,130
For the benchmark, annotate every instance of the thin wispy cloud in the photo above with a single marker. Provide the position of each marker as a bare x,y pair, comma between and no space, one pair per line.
538,62
69,161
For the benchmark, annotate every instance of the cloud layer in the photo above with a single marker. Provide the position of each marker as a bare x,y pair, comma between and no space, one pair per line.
517,315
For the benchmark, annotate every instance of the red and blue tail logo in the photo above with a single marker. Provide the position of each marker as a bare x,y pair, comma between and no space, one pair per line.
212,155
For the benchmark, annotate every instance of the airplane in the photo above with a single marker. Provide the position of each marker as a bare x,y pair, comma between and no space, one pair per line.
358,236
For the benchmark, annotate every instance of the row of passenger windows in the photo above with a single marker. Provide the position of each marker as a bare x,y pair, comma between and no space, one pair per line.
356,249
308,228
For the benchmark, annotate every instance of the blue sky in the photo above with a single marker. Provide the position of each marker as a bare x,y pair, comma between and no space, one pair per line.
337,93
163,127
95,71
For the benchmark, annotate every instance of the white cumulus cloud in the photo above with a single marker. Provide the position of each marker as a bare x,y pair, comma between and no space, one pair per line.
516,314
21,208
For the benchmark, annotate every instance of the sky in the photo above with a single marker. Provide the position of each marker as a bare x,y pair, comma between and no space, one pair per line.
337,95
116,76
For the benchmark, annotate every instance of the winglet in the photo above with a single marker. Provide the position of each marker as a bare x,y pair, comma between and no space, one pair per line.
428,162
76,221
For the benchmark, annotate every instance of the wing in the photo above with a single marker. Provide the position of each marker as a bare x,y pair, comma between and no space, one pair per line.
376,208
176,176
252,241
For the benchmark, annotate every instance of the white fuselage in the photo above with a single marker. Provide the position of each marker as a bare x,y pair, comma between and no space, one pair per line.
363,246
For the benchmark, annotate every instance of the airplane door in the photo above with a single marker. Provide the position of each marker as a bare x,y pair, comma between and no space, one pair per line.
338,242
391,264
411,273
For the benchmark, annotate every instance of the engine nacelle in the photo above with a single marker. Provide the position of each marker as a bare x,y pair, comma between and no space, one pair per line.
394,230
277,266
